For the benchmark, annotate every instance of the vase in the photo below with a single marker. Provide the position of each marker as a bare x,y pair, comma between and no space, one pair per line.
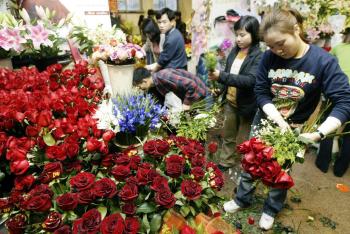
120,77
6,63
125,139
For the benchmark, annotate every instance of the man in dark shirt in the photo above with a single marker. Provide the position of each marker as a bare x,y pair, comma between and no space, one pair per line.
188,87
180,25
173,54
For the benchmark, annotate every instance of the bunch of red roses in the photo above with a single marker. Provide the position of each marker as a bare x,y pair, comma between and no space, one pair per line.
259,162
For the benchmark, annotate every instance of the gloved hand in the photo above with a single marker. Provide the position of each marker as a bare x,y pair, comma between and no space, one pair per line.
272,112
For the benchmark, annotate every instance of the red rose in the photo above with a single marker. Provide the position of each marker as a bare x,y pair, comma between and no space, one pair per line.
58,133
24,182
63,230
44,118
217,183
192,148
104,148
17,224
67,201
120,172
191,189
283,181
145,176
71,166
82,181
52,222
250,157
122,159
268,152
92,144
104,188
107,160
132,225
5,205
156,148
257,145
90,223
244,147
159,183
41,189
213,147
198,173
165,198
19,167
16,197
187,230
129,192
269,171
16,154
135,162
198,160
129,208
108,135
72,150
174,165
56,152
86,197
113,223
52,170
32,131
38,203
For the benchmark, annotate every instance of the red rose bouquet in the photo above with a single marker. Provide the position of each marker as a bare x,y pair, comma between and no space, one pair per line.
270,155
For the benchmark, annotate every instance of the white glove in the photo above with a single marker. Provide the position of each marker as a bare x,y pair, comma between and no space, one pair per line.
272,112
330,125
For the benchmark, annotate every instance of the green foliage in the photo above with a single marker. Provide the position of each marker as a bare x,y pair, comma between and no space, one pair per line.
210,61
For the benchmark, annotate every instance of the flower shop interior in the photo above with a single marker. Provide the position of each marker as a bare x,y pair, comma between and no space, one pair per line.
149,116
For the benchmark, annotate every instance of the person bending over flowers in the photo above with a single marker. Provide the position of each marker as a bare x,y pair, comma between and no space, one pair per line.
188,87
290,79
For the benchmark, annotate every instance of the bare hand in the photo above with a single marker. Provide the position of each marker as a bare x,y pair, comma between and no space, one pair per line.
214,75
185,107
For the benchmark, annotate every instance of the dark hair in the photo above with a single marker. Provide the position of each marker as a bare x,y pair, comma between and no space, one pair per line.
140,74
150,27
346,33
219,19
251,25
232,12
283,20
170,13
141,18
178,13
150,12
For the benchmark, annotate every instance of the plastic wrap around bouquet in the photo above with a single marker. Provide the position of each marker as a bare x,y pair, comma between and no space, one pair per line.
130,117
270,155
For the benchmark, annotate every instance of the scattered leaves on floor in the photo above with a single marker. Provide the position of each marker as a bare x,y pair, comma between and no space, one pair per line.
327,222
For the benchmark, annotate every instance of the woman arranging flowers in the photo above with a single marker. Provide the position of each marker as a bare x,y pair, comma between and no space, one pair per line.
288,87
239,79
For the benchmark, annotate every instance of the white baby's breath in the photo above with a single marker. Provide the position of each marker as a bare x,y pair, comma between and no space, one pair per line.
105,118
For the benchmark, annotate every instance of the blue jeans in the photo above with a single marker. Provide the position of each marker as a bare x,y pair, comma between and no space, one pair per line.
276,197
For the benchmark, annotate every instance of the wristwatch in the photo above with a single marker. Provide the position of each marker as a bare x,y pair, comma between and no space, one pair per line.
321,134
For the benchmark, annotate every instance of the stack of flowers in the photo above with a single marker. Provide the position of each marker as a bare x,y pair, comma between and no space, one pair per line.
270,155
129,116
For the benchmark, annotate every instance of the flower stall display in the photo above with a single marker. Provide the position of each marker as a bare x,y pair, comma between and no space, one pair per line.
129,116
34,41
270,155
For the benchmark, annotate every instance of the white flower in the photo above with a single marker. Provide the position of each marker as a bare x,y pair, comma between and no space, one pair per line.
212,122
201,116
105,117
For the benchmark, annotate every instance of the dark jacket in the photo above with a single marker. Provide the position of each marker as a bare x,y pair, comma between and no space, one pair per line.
244,81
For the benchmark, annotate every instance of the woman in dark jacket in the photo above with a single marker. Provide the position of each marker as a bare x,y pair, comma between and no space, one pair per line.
239,80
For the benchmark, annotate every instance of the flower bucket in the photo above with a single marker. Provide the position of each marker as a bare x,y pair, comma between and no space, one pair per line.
7,63
121,78
125,139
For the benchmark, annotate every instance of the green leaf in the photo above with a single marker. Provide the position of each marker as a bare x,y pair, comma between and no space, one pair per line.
156,222
146,208
103,211
145,224
185,210
49,140
193,211
198,203
200,229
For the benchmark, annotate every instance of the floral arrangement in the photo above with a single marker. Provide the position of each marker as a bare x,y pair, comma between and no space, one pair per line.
324,31
128,192
210,61
38,38
8,38
270,155
129,116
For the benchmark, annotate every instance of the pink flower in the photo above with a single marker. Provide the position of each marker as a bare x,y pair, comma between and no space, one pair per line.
11,39
40,36
313,34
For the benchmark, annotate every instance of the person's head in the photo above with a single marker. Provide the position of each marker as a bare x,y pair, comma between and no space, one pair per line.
141,18
151,30
282,31
142,78
177,15
165,19
346,33
247,31
150,13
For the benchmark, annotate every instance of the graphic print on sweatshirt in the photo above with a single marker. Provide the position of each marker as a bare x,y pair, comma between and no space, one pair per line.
287,89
